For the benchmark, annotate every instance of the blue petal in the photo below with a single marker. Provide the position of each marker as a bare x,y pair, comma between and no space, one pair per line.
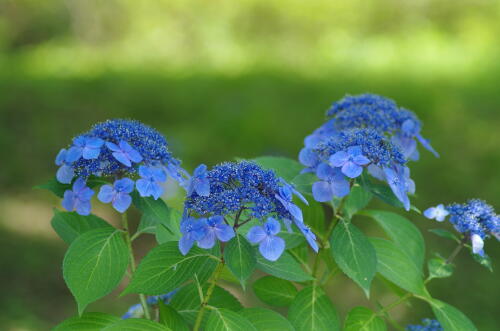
376,172
354,150
185,244
85,194
73,154
159,174
272,247
82,207
143,187
65,174
200,171
477,244
124,185
361,160
256,234
272,226
295,211
351,169
106,194
340,187
202,187
397,186
338,159
79,185
122,158
122,201
68,200
308,157
224,232
208,241
325,172
322,191
61,157
113,147
427,145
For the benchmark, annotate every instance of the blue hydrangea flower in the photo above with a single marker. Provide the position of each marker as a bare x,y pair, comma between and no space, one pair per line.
199,183
86,147
427,325
192,230
475,219
78,198
149,185
309,235
285,196
270,246
215,228
118,194
124,153
351,161
65,173
332,183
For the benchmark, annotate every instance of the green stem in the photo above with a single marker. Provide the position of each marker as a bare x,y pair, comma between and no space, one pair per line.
128,240
210,290
457,250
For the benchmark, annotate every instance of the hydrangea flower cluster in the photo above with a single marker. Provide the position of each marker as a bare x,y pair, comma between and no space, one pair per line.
219,199
136,311
365,131
116,150
427,325
475,219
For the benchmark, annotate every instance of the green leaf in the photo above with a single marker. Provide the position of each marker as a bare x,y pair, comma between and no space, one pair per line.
164,234
136,324
403,232
187,301
397,267
445,234
55,187
303,182
171,318
485,261
226,320
363,319
438,268
70,225
266,320
292,239
165,268
285,267
240,258
95,264
354,254
284,167
87,322
451,318
275,291
314,215
312,310
157,212
357,199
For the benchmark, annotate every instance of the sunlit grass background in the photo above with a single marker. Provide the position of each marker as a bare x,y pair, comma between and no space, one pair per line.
240,78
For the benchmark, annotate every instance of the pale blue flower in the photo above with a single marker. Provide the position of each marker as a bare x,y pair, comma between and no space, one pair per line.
65,173
151,181
438,213
118,194
332,183
124,153
87,147
192,230
199,183
351,161
270,246
215,228
78,198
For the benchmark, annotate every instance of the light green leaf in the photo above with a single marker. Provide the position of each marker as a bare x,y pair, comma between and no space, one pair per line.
303,182
136,324
157,212
275,291
70,225
357,199
397,267
55,187
284,167
451,318
484,260
187,301
403,232
363,319
285,267
314,216
221,319
240,258
171,318
95,264
438,268
445,234
266,320
164,234
87,322
165,268
312,310
292,239
354,254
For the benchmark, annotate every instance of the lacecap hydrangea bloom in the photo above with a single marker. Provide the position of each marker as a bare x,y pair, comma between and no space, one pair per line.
129,154
475,219
363,132
427,325
239,192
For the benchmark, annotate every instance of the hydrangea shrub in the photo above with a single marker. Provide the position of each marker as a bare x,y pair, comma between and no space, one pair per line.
277,227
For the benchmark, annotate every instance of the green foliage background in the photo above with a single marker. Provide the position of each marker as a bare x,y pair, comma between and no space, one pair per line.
222,79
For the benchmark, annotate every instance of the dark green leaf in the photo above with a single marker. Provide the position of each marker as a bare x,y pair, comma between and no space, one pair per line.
70,225
221,319
363,319
445,234
354,254
292,239
397,267
266,320
55,187
312,310
157,212
451,318
95,264
240,258
314,216
403,232
286,267
87,322
284,167
485,261
136,324
171,318
187,301
438,268
357,199
274,291
165,268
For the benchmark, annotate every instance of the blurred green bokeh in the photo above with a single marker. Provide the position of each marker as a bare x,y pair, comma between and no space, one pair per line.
223,79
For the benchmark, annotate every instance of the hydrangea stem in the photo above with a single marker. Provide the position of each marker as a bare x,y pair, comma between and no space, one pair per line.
128,240
204,303
457,250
